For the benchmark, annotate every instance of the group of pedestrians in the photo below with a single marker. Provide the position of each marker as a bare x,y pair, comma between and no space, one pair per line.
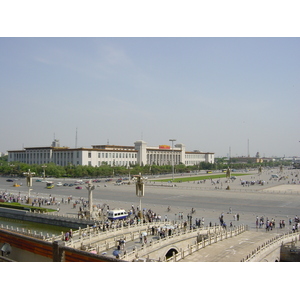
199,222
9,197
271,224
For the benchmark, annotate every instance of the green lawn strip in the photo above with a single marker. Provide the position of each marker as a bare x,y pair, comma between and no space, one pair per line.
195,178
16,205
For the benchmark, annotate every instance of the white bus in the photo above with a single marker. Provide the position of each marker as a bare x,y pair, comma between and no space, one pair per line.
117,214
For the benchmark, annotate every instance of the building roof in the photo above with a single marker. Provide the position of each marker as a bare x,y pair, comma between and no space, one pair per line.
198,152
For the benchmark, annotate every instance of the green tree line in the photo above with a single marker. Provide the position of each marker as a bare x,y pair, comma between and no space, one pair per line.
17,169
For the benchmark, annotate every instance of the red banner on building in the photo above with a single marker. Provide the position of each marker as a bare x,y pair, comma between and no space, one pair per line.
164,147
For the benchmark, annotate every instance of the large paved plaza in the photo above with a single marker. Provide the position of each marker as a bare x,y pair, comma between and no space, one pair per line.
274,199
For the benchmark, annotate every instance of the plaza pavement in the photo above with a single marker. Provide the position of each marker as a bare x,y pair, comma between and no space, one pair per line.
236,248
284,193
274,199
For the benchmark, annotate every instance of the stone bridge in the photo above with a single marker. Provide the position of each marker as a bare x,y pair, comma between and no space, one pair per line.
184,243
180,241
180,244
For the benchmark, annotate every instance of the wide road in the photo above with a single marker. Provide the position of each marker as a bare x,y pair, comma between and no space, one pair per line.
279,200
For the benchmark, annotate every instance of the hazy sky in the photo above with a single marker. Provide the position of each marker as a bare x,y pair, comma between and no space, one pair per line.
207,93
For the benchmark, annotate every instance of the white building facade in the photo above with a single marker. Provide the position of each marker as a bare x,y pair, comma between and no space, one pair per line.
112,155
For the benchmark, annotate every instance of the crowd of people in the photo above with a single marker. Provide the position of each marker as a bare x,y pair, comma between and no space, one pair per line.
135,215
270,224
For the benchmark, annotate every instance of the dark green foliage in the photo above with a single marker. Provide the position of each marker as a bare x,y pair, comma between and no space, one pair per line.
16,205
17,169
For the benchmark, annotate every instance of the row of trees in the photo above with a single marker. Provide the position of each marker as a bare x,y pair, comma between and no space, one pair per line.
17,169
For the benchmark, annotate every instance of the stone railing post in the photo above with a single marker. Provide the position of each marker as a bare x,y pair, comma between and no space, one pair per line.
57,253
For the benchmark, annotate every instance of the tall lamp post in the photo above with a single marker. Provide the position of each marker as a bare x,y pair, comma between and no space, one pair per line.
172,140
259,170
29,181
189,216
140,190
44,173
12,166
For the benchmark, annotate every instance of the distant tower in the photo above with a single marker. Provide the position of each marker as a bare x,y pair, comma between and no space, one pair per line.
55,143
141,147
76,139
248,149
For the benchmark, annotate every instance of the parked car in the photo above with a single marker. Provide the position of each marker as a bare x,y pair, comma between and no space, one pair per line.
78,187
65,184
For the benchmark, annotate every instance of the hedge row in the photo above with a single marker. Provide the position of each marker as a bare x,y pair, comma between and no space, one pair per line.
16,205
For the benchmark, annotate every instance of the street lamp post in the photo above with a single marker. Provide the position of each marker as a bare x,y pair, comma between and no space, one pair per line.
190,220
259,170
172,140
44,173
29,181
140,190
12,166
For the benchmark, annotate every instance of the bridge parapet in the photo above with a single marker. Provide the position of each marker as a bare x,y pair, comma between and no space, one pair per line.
28,232
93,235
212,238
271,245
187,239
